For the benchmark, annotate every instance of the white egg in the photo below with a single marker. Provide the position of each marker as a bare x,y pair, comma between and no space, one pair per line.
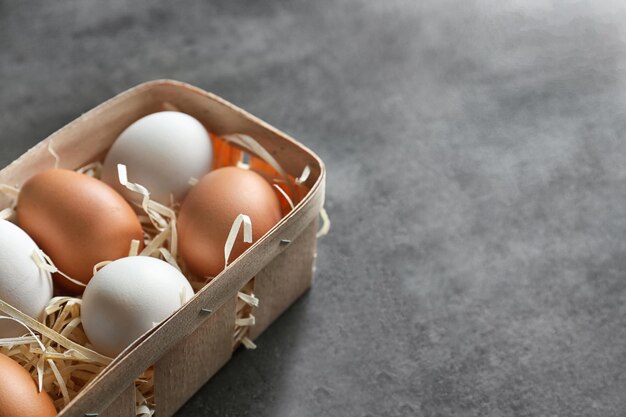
162,152
128,297
22,283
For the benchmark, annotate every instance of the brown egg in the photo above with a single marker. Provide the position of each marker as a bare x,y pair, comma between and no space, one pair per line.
19,396
78,221
210,209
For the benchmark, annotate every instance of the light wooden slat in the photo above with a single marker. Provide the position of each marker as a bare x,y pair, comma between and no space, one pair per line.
123,406
190,364
284,279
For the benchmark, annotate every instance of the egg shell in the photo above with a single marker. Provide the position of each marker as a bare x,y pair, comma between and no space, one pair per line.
22,283
162,152
207,214
19,396
78,221
128,297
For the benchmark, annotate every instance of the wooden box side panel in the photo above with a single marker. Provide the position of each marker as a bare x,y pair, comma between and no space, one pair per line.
122,406
193,361
284,279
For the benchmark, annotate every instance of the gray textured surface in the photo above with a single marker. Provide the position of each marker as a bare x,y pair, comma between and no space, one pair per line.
477,182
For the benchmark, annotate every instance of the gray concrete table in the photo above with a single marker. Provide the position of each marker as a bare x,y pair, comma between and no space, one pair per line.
477,184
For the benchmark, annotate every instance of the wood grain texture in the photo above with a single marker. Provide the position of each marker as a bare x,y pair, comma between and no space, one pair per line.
190,364
123,405
284,279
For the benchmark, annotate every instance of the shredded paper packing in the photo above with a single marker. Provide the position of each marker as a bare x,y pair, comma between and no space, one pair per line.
241,219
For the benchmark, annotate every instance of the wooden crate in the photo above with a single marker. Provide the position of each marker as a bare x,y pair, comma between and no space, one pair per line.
197,340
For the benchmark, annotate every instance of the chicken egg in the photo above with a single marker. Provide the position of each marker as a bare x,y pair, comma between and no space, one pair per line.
78,221
22,283
19,396
207,214
128,297
163,152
